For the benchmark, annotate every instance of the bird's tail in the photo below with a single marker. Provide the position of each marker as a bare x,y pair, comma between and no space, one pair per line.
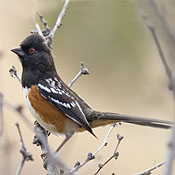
104,118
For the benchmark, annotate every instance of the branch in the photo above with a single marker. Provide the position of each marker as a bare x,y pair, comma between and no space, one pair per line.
58,23
91,156
50,160
26,155
171,145
39,30
115,154
149,170
171,77
48,34
41,139
83,71
160,51
170,154
13,72
163,21
45,24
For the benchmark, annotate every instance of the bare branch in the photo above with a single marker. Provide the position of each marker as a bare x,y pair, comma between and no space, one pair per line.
44,23
149,170
26,155
83,71
41,138
91,156
170,154
163,21
106,137
19,109
171,145
59,20
119,138
160,51
39,30
14,73
50,160
48,34
171,77
115,154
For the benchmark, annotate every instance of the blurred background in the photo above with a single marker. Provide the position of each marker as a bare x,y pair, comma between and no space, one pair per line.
126,76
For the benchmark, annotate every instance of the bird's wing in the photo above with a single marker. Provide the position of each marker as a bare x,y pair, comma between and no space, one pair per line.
56,93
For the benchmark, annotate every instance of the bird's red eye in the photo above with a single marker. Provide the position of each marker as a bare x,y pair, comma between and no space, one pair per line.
31,50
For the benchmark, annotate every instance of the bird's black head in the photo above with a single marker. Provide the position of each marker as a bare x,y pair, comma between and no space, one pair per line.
36,59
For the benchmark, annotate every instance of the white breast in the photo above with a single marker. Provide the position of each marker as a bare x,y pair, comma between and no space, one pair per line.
25,94
48,127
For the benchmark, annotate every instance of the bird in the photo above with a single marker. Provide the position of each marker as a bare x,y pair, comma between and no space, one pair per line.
55,106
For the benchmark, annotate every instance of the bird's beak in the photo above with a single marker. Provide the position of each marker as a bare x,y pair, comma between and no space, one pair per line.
18,51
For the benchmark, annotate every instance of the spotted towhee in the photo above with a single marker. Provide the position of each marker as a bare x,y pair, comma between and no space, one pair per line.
53,104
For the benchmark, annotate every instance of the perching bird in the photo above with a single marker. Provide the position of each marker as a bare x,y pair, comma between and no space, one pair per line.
54,105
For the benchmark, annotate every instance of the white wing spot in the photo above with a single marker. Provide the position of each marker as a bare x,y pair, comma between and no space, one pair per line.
52,83
73,104
66,105
55,79
54,91
44,88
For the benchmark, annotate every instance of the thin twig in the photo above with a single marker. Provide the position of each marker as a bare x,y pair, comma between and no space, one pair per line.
115,154
171,145
163,21
13,72
48,34
149,170
50,160
59,20
171,77
119,138
44,21
170,154
91,156
83,71
41,139
39,30
106,137
26,155
160,51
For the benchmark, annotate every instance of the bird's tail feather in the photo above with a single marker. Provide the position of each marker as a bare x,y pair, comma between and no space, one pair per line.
103,118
